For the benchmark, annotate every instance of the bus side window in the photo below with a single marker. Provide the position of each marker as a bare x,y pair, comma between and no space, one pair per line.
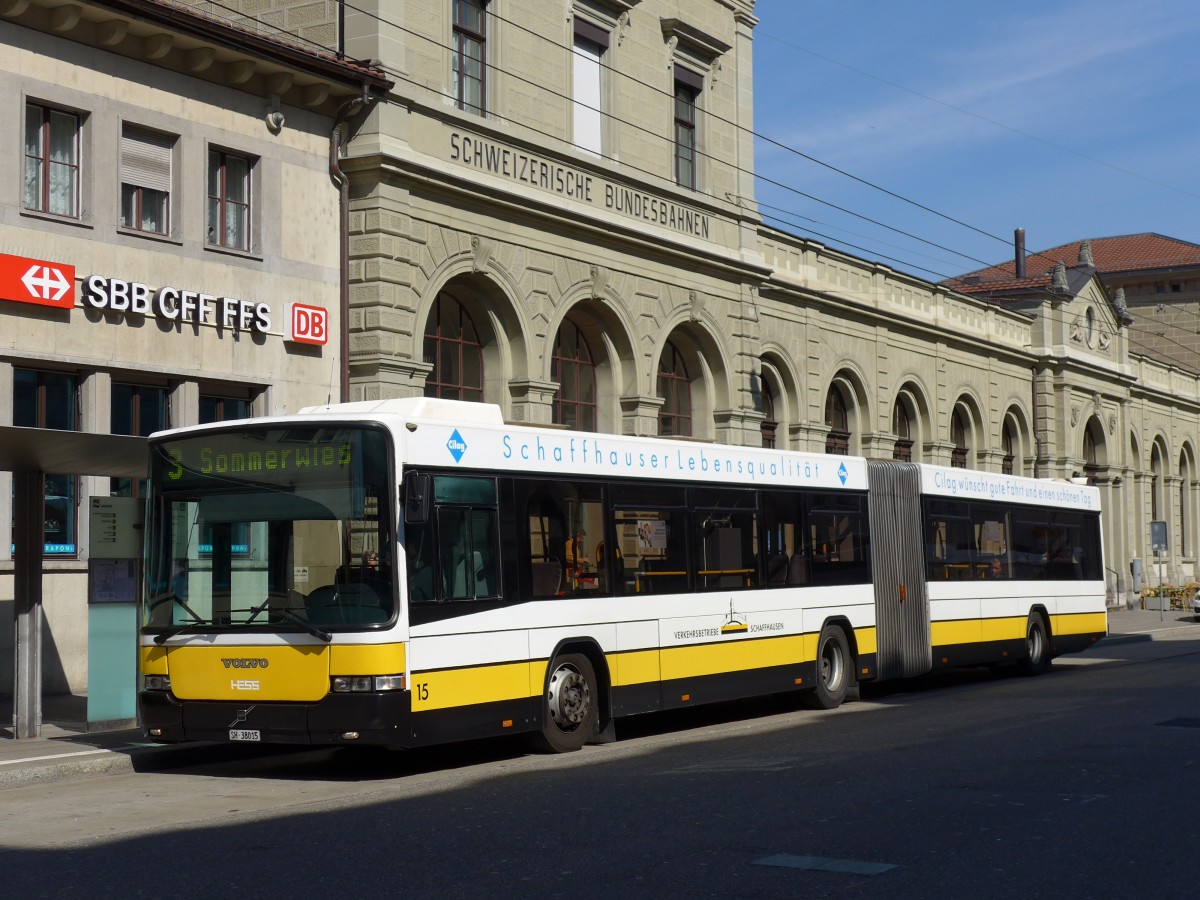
418,551
468,537
784,544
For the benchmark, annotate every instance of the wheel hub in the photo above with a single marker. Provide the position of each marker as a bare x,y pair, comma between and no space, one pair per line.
569,698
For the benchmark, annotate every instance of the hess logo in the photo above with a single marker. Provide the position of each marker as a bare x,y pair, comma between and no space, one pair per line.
244,662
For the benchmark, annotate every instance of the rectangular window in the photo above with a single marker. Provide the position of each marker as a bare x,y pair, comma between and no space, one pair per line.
139,410
840,541
146,179
468,63
688,86
222,409
975,541
587,108
566,554
51,161
48,400
228,200
725,527
468,537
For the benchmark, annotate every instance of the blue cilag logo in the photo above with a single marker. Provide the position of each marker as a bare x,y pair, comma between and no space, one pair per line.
842,473
457,446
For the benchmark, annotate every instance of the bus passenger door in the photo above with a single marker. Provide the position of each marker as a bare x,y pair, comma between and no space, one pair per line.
898,570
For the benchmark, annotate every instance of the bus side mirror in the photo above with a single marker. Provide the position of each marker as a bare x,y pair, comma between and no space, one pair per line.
418,497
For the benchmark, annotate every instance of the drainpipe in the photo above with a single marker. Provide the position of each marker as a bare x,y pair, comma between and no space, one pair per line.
342,183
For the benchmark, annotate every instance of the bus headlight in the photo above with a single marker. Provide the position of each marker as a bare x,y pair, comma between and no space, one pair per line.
156,683
389,682
344,684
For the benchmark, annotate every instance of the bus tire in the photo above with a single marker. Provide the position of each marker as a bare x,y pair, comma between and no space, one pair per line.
571,708
834,670
1037,647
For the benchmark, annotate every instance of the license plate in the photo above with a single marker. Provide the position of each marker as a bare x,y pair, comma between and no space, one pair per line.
241,734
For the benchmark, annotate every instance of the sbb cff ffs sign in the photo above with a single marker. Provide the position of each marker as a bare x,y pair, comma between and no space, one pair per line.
37,281
307,324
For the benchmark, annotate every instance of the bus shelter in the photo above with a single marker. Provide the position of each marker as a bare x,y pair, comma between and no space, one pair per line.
30,453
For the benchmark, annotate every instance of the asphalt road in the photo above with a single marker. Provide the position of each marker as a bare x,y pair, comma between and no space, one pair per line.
1080,783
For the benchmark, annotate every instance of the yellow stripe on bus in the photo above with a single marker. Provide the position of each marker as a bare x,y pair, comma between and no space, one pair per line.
154,660
1079,623
636,667
1012,628
366,659
867,640
734,656
479,684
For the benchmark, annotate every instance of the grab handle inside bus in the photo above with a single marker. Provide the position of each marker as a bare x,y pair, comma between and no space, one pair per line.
418,497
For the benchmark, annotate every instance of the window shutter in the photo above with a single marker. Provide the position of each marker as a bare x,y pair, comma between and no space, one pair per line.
146,159
689,79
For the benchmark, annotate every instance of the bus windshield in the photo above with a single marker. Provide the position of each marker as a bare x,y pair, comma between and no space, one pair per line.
270,528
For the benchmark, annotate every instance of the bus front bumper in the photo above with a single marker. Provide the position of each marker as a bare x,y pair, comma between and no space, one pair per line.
378,718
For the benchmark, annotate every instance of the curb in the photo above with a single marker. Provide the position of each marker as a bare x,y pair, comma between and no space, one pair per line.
133,758
1154,634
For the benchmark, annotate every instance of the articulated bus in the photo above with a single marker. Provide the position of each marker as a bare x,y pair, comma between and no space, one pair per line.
409,572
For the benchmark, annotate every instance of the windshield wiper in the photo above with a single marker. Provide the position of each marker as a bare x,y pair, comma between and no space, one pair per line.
284,612
197,620
172,597
180,629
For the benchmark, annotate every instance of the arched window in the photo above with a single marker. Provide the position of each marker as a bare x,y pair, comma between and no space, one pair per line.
1008,442
1185,479
838,440
573,367
674,386
1156,469
452,347
958,437
1091,469
770,423
902,428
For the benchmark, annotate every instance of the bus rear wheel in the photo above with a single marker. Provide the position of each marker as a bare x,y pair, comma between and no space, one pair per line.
570,717
834,670
1037,647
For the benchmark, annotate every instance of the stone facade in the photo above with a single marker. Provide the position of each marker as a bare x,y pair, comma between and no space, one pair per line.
496,210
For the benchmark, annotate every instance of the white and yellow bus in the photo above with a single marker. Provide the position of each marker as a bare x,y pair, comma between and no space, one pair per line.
417,571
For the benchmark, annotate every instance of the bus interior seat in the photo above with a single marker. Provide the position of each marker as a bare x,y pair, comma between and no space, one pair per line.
798,570
547,577
777,570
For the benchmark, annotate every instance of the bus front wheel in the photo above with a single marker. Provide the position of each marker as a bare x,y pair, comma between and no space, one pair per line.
833,670
570,717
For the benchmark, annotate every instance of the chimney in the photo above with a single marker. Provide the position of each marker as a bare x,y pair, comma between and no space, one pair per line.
1019,246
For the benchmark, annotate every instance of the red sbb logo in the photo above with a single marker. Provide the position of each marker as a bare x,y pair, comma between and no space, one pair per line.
307,324
37,281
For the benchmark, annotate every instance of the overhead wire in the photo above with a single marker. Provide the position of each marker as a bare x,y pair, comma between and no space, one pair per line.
657,135
759,136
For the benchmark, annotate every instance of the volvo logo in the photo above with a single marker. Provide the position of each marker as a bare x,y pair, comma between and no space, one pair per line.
244,662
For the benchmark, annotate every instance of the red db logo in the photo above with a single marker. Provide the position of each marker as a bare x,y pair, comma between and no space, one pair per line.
307,324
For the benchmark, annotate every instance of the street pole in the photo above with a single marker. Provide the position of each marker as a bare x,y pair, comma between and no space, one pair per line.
1161,598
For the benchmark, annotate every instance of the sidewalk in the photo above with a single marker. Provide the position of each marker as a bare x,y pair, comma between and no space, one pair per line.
66,749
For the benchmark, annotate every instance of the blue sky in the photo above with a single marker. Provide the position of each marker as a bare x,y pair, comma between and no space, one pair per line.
1068,119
